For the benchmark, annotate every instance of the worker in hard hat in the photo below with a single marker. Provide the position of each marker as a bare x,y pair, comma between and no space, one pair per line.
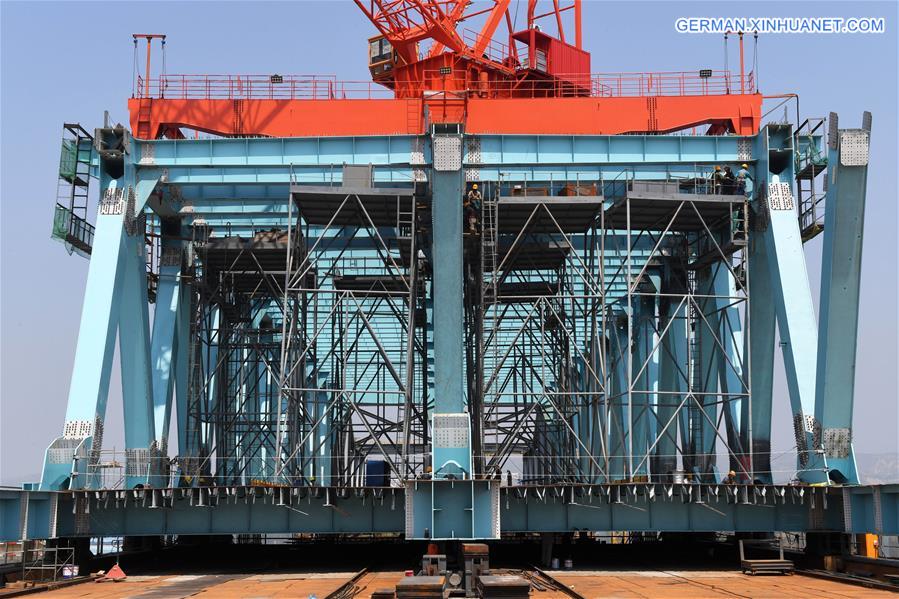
717,179
731,478
742,176
472,208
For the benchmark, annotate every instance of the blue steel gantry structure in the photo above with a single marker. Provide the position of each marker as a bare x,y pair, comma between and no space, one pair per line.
347,338
343,350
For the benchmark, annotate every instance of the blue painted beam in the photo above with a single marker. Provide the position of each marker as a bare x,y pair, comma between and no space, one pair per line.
731,377
447,191
847,171
165,350
673,370
636,507
760,347
792,296
134,355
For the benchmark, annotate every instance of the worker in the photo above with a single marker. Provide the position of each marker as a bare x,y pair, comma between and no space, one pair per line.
717,180
730,182
742,176
472,207
474,194
731,478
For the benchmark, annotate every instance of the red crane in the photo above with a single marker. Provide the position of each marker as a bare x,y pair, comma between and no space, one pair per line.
428,67
458,63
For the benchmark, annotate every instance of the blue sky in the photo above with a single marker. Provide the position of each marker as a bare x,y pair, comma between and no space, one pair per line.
70,61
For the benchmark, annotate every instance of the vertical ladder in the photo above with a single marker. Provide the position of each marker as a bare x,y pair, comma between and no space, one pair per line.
413,117
405,219
489,237
144,110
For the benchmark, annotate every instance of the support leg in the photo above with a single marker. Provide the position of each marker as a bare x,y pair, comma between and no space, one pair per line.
847,172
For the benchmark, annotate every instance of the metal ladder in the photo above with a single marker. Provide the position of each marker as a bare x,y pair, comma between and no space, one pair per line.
405,220
489,238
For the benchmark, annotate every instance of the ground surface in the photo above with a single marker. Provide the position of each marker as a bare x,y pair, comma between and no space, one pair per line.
593,583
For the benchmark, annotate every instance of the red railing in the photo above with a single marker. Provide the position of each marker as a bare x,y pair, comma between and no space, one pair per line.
718,83
318,87
258,87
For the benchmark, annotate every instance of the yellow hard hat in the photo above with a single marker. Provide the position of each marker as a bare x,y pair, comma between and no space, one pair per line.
717,168
475,186
744,165
732,473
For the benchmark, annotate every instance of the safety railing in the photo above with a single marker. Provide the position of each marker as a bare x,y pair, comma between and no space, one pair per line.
258,87
70,228
318,87
494,50
676,83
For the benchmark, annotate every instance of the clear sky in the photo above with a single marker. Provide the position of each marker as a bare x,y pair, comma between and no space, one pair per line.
70,61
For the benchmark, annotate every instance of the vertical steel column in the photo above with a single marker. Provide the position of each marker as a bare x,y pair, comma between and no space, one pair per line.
645,377
183,344
673,369
112,257
759,347
730,364
134,354
705,418
89,387
791,293
446,209
164,342
618,426
847,173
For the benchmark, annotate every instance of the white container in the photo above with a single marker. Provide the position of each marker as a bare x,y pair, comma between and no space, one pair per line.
554,564
568,564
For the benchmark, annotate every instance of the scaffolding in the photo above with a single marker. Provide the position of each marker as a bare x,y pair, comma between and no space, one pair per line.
604,334
612,317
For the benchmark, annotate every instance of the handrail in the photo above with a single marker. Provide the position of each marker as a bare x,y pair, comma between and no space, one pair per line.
328,87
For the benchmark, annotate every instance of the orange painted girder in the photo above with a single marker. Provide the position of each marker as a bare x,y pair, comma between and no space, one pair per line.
508,116
282,118
613,116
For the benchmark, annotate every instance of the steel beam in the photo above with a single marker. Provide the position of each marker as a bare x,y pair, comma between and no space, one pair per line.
847,171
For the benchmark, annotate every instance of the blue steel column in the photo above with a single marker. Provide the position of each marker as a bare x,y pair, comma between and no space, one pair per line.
164,350
673,368
730,364
618,427
89,387
643,413
760,344
134,354
704,415
182,358
841,261
446,209
791,294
